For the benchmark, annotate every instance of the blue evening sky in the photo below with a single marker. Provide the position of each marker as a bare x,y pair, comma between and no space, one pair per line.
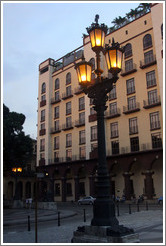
35,31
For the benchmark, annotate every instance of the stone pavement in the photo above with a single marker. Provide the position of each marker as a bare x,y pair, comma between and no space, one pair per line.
147,223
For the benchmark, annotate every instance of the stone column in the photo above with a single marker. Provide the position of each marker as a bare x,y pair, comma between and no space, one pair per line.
63,180
149,188
127,181
76,182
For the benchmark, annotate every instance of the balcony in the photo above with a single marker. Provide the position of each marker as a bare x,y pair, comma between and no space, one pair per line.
92,117
78,91
79,123
55,130
55,100
67,95
152,102
42,162
42,132
147,62
42,103
67,126
133,130
129,70
113,114
131,108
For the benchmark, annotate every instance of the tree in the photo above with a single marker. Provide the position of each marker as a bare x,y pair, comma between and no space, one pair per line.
120,21
132,14
144,7
17,147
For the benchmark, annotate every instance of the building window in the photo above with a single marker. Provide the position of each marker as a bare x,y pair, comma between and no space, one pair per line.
56,156
68,91
56,125
93,133
82,137
114,130
42,126
133,126
68,155
147,41
112,94
81,103
57,96
150,79
113,108
43,89
154,121
131,103
56,112
115,147
152,97
68,78
43,115
68,189
82,152
92,111
57,189
43,97
129,65
134,144
162,30
68,140
68,108
94,146
156,140
92,61
130,84
82,117
42,144
57,84
148,57
56,142
128,50
42,156
68,122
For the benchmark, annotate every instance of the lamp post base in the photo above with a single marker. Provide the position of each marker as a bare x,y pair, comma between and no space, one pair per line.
105,234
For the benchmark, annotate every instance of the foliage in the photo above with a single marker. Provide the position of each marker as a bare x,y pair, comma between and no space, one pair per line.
118,22
17,147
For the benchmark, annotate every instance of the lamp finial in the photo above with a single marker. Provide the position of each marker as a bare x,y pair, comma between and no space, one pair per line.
96,18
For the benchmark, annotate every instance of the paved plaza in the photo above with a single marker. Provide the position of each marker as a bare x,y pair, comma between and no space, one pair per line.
147,223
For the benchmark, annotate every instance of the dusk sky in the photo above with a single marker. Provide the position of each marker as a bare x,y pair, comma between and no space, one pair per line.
33,32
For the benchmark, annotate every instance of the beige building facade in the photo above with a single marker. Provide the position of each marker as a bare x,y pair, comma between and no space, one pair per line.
67,123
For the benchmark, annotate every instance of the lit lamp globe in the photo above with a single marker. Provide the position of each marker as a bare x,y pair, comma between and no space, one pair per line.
84,72
97,35
113,56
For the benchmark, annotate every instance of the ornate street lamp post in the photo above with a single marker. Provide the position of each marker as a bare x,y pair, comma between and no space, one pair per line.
103,209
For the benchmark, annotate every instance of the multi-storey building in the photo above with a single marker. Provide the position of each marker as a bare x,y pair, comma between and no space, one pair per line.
67,126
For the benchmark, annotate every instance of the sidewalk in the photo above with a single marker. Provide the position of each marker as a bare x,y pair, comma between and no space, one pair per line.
139,221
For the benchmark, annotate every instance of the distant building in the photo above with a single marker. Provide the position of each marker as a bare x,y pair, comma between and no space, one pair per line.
67,126
25,181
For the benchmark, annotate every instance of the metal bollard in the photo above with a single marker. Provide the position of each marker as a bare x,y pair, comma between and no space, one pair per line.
84,216
29,226
146,205
137,207
117,209
59,219
129,208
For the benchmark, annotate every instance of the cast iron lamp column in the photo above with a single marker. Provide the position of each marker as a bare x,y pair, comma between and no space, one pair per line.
103,209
